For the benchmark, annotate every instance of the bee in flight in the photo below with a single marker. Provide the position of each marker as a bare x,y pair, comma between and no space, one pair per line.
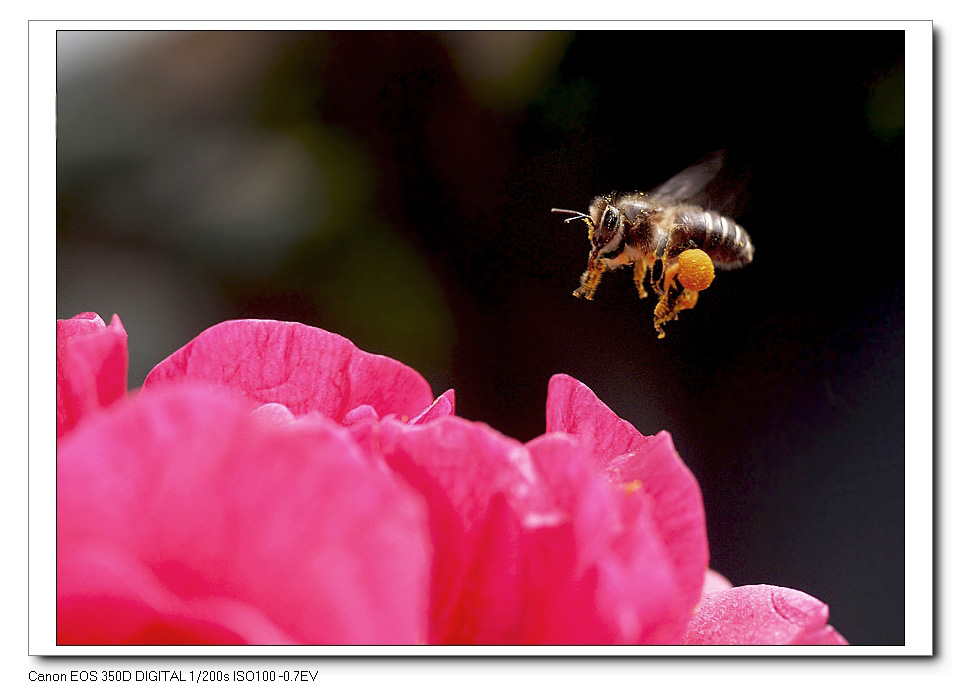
672,225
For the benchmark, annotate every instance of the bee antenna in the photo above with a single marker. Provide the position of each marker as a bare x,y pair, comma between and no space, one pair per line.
577,215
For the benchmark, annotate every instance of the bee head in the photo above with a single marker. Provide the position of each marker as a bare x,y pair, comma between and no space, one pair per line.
607,233
605,226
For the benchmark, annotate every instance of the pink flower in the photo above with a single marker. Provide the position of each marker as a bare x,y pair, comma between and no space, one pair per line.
271,483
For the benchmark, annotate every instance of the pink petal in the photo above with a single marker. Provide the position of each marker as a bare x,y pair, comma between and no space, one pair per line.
115,599
517,582
573,408
637,596
531,544
631,459
91,367
761,615
360,414
460,468
715,582
274,413
564,603
216,522
304,368
443,406
461,463
535,593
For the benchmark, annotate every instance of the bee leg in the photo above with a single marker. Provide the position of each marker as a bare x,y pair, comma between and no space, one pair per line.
640,270
662,281
656,279
590,279
675,300
667,277
687,300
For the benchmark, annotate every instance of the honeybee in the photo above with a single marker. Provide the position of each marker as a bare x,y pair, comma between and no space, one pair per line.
672,225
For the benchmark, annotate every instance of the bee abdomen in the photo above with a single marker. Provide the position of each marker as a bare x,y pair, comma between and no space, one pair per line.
725,241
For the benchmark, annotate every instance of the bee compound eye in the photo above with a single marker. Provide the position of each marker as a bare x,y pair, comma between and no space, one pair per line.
610,218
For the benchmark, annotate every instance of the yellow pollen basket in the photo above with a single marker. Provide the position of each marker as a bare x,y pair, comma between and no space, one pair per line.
695,270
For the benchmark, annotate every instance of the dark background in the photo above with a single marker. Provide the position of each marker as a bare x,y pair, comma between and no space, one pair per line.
395,187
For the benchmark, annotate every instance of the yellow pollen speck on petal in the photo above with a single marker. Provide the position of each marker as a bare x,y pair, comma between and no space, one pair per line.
695,270
632,487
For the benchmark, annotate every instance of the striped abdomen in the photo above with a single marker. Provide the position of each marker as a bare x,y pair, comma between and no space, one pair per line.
725,241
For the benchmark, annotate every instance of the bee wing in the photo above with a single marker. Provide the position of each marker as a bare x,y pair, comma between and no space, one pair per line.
691,182
707,183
